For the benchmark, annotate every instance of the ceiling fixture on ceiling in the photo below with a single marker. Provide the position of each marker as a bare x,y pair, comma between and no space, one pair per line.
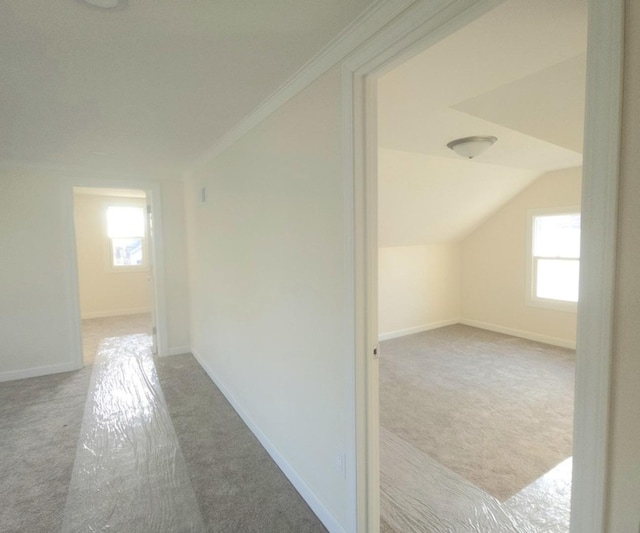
470,147
104,4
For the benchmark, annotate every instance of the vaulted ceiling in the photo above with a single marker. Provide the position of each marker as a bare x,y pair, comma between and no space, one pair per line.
517,73
150,86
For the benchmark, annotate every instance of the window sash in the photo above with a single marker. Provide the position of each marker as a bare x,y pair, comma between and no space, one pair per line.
563,285
126,243
127,252
562,250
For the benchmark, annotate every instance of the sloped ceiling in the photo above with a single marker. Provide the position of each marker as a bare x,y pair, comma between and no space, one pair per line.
435,200
517,73
149,86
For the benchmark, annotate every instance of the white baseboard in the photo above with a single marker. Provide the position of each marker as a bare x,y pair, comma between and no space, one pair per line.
305,491
555,341
417,329
178,350
116,312
12,375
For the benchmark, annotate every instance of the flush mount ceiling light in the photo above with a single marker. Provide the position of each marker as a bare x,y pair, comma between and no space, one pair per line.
470,147
104,4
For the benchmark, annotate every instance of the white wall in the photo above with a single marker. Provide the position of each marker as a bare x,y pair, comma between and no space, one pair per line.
38,325
104,292
494,265
38,333
418,288
175,266
480,280
267,261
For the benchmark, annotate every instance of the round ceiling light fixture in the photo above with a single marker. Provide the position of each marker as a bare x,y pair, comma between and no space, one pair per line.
104,4
470,147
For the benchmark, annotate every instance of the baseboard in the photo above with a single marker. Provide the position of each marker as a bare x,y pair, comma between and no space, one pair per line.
312,499
12,375
116,312
417,329
555,341
178,350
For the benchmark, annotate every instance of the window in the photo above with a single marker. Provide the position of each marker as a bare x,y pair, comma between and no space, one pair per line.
554,265
126,233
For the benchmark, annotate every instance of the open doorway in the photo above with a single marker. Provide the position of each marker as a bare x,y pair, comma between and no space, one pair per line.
114,259
421,26
477,288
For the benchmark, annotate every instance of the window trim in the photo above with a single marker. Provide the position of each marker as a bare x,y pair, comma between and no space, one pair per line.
122,269
531,299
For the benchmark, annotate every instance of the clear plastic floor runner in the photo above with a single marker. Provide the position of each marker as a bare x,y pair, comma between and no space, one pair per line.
129,473
419,495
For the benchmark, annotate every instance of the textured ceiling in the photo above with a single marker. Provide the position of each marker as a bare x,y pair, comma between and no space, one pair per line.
150,86
517,73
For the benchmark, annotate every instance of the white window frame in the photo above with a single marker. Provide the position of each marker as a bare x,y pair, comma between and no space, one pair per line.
531,274
109,266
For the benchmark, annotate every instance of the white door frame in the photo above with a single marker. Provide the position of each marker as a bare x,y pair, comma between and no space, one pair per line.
419,26
156,249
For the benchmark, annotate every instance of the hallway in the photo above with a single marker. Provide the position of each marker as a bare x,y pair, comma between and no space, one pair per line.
152,446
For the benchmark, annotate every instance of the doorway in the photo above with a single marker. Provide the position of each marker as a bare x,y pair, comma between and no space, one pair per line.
479,422
422,26
115,265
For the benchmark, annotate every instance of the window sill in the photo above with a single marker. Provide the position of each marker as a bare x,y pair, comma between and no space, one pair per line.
553,305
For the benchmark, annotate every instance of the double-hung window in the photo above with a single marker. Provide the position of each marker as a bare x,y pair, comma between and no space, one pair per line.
554,262
126,234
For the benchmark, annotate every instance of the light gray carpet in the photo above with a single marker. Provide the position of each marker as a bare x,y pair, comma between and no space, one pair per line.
237,485
95,330
40,422
495,409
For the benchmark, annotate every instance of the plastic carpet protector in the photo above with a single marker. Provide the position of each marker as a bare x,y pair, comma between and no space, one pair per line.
420,495
129,473
546,503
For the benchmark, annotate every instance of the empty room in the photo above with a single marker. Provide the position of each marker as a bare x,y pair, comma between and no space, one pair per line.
221,362
479,247
114,264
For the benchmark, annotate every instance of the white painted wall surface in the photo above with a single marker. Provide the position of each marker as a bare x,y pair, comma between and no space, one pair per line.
37,331
103,291
267,262
418,288
176,267
624,452
494,265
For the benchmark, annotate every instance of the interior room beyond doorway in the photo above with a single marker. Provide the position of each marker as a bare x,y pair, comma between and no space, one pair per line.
114,264
457,254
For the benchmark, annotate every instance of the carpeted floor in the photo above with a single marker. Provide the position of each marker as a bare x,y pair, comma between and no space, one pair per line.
40,422
237,486
475,433
495,409
94,330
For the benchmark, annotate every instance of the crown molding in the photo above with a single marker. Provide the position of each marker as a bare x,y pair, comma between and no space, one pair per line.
366,25
78,172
